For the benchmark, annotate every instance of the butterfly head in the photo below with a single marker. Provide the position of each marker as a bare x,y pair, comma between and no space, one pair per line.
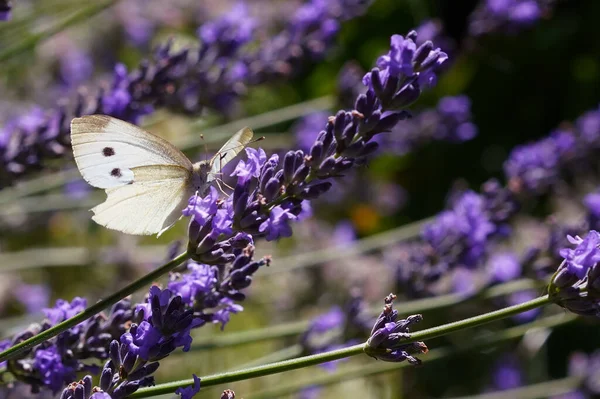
200,176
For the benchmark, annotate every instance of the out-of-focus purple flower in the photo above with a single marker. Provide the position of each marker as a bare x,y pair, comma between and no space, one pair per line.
460,235
385,341
64,310
449,121
5,10
535,167
191,391
504,267
507,374
33,296
588,126
138,27
506,16
522,297
77,189
455,124
464,282
592,204
230,32
349,85
308,128
433,30
310,392
587,368
344,233
76,67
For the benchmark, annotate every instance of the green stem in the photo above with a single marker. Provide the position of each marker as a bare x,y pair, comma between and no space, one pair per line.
253,372
312,360
477,320
33,40
96,308
360,371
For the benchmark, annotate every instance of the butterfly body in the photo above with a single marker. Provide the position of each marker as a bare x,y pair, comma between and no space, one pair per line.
148,181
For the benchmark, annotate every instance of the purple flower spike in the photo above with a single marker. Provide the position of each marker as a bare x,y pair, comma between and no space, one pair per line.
385,342
399,74
585,256
191,391
576,283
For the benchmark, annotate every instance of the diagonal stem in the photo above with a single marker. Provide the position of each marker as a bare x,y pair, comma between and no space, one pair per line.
354,350
94,309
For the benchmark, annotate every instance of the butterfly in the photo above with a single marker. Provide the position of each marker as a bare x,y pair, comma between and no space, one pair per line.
147,180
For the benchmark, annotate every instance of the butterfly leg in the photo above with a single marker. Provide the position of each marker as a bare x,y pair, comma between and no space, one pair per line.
221,188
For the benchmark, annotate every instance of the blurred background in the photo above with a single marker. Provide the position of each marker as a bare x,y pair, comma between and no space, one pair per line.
518,70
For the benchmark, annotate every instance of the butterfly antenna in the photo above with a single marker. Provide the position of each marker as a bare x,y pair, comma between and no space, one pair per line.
205,147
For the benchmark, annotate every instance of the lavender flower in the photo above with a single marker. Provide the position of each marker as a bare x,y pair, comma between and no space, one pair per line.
575,285
385,342
55,362
507,374
270,193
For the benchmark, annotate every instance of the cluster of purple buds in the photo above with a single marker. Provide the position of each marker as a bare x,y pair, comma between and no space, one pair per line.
211,290
385,341
54,363
508,16
213,75
400,74
576,284
270,193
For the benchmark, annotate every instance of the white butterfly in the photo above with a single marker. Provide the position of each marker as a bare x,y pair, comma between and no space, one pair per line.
147,180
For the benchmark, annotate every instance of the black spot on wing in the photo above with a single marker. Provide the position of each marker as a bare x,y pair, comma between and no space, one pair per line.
108,151
116,172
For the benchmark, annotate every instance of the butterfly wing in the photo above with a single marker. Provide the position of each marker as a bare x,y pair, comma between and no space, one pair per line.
147,179
106,149
150,205
230,149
